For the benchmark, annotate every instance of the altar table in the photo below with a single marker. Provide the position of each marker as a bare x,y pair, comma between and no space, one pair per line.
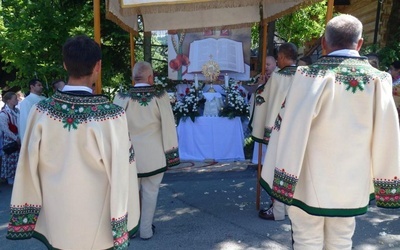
216,138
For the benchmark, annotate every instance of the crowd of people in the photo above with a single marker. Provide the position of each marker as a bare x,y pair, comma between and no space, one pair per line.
98,184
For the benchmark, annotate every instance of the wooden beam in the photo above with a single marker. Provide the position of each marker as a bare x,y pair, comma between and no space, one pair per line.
97,37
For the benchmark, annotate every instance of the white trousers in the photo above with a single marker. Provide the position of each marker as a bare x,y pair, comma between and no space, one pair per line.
279,210
149,187
317,232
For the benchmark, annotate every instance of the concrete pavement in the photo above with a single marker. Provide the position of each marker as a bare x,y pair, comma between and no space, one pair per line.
211,206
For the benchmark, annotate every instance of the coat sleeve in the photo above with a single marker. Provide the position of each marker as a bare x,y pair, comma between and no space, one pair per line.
26,200
169,135
115,148
386,147
302,105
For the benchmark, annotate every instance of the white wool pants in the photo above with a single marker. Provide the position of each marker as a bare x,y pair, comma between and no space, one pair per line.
149,187
279,210
317,232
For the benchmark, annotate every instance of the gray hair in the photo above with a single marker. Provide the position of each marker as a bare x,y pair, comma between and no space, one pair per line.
343,32
141,71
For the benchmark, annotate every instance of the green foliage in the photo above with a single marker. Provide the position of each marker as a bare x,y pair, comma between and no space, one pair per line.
388,54
34,32
303,25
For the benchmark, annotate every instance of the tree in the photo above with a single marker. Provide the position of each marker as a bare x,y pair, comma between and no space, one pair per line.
303,25
33,33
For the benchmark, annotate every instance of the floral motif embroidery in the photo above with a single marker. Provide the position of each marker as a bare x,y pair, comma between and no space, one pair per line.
120,232
72,110
284,185
278,122
143,95
23,221
351,72
387,192
267,135
259,100
131,154
172,157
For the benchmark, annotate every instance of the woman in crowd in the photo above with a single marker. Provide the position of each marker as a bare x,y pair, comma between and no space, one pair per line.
8,126
394,70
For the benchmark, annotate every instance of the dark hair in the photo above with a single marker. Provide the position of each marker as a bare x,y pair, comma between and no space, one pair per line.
7,96
80,55
289,50
57,81
306,59
33,82
396,65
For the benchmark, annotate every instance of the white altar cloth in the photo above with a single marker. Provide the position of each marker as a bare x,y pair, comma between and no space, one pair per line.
216,138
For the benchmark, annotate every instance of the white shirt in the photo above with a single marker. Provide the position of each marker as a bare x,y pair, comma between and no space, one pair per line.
24,108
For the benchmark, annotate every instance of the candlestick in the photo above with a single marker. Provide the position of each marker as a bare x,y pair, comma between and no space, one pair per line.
226,80
196,81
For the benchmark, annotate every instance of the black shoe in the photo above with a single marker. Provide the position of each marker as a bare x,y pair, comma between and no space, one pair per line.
267,214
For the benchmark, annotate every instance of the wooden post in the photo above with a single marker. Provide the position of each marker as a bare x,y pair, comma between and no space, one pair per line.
259,156
97,37
329,10
329,15
132,49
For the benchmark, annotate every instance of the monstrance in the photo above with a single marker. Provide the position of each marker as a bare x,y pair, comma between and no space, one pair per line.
211,71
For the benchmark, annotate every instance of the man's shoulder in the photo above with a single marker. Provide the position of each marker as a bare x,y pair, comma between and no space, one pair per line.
142,94
82,108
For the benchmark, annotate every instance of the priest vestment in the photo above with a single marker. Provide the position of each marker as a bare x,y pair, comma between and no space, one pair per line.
73,176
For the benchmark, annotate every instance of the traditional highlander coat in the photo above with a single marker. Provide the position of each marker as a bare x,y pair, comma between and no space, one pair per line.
73,176
339,134
152,129
268,102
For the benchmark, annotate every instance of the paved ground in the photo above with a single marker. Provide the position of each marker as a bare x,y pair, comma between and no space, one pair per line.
211,206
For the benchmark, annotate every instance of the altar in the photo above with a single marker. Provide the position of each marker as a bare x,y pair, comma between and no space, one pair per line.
217,138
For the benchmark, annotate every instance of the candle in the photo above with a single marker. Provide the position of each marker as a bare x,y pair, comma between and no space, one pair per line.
196,81
226,81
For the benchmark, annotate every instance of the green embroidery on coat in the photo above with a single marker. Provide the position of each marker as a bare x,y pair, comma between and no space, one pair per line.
387,192
23,221
259,100
131,154
354,73
72,110
172,157
120,232
143,95
267,135
284,185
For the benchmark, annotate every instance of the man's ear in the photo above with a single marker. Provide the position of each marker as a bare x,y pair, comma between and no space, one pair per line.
97,67
323,45
359,44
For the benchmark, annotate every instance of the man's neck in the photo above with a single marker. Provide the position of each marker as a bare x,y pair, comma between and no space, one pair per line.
82,81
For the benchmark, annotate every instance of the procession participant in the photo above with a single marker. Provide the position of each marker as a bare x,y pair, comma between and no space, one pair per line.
269,103
153,134
58,85
35,96
9,133
338,128
73,178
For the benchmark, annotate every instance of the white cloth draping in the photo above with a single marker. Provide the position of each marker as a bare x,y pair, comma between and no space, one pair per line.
216,138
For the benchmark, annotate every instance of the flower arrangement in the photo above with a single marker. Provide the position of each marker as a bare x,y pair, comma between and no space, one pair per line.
236,104
188,106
